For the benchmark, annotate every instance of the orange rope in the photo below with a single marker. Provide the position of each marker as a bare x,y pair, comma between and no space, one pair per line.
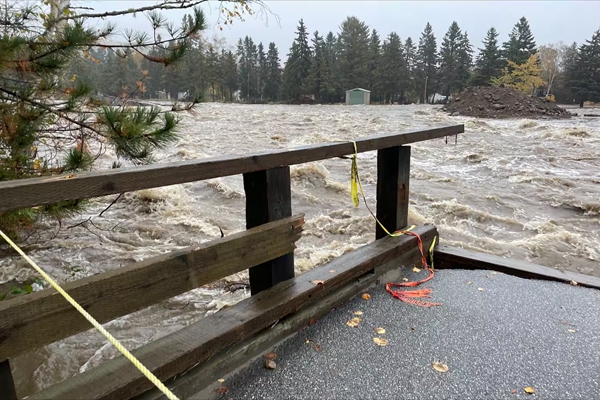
409,296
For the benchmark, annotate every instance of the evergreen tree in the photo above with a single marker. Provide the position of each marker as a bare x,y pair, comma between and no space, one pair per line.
393,68
427,64
568,60
317,76
248,69
465,62
41,107
273,83
410,57
374,64
262,70
297,67
335,91
489,61
584,77
521,43
229,74
449,59
353,54
212,71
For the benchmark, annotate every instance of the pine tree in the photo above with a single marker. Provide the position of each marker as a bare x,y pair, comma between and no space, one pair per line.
318,69
568,60
262,70
449,60
248,69
353,54
374,63
521,43
229,74
465,62
335,91
489,61
410,57
43,107
393,68
297,67
584,77
212,71
427,64
273,84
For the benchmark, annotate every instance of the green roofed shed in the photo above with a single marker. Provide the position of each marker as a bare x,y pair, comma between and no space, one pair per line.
358,96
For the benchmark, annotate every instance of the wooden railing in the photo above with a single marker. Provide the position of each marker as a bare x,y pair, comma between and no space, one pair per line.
265,248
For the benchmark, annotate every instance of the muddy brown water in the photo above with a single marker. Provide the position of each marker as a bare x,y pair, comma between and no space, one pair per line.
516,188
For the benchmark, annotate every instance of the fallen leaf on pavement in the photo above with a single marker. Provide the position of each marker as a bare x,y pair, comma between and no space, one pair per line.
469,282
222,390
318,348
317,282
514,391
380,342
366,296
221,380
353,322
271,356
405,279
572,330
270,364
438,366
529,390
312,321
413,328
481,289
380,331
415,269
358,313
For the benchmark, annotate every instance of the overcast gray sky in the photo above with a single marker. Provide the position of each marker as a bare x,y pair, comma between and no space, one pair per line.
550,21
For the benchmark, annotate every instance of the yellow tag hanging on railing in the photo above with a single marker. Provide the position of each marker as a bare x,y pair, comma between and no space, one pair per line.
354,180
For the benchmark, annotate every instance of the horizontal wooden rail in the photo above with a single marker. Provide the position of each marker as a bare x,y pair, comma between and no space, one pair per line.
41,318
447,257
39,191
196,343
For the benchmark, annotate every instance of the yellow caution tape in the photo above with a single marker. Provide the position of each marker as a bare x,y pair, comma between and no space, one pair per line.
356,184
151,377
431,251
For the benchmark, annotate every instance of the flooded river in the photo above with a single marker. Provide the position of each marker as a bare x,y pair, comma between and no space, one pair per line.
516,188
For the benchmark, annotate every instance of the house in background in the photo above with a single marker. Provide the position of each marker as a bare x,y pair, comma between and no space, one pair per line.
358,96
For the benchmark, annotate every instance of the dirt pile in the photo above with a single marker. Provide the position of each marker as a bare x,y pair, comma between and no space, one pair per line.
502,102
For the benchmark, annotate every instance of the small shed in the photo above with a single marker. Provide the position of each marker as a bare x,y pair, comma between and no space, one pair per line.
358,96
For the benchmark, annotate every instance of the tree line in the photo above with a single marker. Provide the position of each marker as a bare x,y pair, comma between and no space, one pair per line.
320,68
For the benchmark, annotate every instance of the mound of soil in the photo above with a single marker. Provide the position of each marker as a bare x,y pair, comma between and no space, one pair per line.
502,102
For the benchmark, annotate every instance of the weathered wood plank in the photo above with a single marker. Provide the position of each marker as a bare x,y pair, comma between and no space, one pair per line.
31,321
7,384
180,351
269,198
393,175
38,191
454,257
229,359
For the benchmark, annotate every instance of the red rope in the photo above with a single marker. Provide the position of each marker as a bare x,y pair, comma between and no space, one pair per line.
410,296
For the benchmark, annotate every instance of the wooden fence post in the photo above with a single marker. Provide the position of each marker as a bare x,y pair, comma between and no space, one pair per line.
269,198
7,384
393,174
